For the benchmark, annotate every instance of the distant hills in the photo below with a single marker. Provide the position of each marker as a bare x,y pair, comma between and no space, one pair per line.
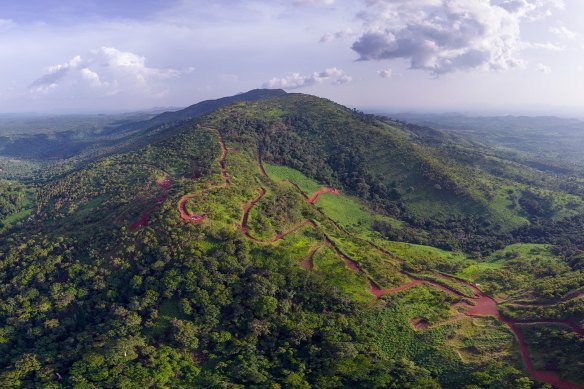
545,139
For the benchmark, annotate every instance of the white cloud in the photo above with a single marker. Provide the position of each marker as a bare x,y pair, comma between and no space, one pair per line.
543,46
442,36
104,72
543,68
296,80
342,34
385,73
563,32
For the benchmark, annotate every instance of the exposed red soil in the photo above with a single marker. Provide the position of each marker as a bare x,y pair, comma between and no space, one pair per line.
316,195
487,306
163,184
483,305
378,292
247,208
348,261
142,222
547,377
307,262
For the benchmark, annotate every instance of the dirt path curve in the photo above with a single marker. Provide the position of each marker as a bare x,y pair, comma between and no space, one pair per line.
163,184
548,377
307,262
316,195
182,204
245,217
484,305
487,306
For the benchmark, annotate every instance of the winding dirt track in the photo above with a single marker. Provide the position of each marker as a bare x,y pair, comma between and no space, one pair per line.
307,263
483,305
314,198
182,204
163,184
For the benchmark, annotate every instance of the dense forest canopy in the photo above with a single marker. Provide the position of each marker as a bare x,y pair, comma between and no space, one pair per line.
282,240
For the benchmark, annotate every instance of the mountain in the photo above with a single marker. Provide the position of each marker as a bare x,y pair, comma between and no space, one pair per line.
84,134
207,106
288,241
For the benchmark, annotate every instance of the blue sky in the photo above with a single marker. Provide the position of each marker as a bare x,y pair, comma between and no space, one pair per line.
508,56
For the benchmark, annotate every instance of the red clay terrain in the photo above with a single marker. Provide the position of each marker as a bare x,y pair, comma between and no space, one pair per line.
314,198
163,184
307,263
482,304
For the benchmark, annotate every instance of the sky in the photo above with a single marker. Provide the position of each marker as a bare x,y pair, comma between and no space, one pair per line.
479,56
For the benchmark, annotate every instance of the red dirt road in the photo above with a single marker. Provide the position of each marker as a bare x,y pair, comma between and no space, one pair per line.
548,377
314,198
164,184
483,305
182,204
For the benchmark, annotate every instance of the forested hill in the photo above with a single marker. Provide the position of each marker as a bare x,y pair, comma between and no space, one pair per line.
97,136
292,242
204,107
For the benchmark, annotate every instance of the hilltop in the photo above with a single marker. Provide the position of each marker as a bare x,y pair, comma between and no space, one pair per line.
283,239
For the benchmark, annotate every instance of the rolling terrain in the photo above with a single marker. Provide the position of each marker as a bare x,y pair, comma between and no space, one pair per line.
289,240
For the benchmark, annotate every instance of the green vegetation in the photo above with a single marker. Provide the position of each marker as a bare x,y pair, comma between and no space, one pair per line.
343,209
16,202
103,284
335,271
283,173
556,348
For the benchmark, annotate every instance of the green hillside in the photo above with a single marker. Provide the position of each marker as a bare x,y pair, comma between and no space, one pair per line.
216,252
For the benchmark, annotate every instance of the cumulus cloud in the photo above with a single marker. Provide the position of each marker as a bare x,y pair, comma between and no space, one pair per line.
385,73
106,72
543,68
442,36
296,80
